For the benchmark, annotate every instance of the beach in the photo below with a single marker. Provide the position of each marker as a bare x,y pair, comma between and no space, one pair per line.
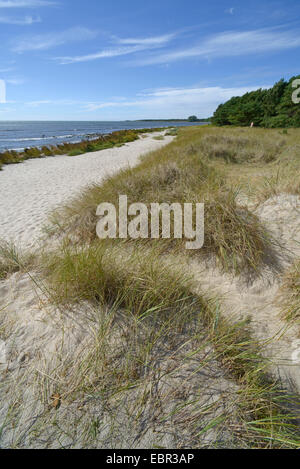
30,191
139,343
149,227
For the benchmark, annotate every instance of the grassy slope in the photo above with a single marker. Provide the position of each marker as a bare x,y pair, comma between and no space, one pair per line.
203,164
142,280
178,173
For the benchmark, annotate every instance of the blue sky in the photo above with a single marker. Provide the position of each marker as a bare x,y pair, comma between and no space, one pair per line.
117,59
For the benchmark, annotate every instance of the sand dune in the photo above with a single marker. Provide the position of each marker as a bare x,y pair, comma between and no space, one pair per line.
43,347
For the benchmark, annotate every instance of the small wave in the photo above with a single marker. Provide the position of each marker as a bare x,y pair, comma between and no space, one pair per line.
35,139
19,139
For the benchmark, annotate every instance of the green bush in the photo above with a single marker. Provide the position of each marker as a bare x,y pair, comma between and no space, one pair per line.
271,108
75,152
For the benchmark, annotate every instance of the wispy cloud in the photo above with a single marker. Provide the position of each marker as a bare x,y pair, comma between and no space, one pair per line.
174,102
6,70
125,46
49,40
231,43
25,3
38,103
27,20
15,81
230,11
52,102
104,54
224,44
148,41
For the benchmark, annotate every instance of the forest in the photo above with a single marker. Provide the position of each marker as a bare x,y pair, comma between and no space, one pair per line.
277,107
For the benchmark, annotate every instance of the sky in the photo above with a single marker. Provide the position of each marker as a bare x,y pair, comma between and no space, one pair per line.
133,59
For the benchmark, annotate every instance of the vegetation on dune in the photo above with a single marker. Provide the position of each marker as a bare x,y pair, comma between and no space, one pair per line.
102,142
142,277
178,173
11,260
110,274
241,148
147,294
270,108
259,163
290,294
161,297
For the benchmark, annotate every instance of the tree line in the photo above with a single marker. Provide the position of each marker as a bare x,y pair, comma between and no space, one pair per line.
271,108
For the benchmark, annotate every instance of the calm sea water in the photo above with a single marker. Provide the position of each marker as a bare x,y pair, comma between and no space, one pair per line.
20,135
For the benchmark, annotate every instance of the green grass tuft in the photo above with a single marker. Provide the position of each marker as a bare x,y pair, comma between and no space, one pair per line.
12,260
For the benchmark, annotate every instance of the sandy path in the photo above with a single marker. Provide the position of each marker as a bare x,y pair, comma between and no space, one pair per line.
31,190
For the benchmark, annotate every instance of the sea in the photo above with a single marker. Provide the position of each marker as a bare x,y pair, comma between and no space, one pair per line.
24,134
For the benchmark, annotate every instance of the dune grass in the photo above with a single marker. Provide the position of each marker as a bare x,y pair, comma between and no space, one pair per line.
12,260
135,276
159,137
240,149
158,296
108,274
148,296
263,163
178,173
290,294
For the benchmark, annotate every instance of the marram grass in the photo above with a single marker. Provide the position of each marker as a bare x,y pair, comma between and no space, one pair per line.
178,173
159,294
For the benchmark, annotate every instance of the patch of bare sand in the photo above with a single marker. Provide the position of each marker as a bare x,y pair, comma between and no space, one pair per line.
257,298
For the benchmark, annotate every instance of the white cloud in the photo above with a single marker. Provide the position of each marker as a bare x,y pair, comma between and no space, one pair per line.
150,41
172,102
38,103
230,11
225,44
27,20
55,102
15,81
105,54
49,40
129,46
232,43
25,3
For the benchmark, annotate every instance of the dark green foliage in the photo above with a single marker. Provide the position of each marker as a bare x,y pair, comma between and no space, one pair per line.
193,119
265,108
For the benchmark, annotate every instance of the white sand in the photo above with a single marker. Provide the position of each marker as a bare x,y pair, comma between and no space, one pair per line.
31,190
